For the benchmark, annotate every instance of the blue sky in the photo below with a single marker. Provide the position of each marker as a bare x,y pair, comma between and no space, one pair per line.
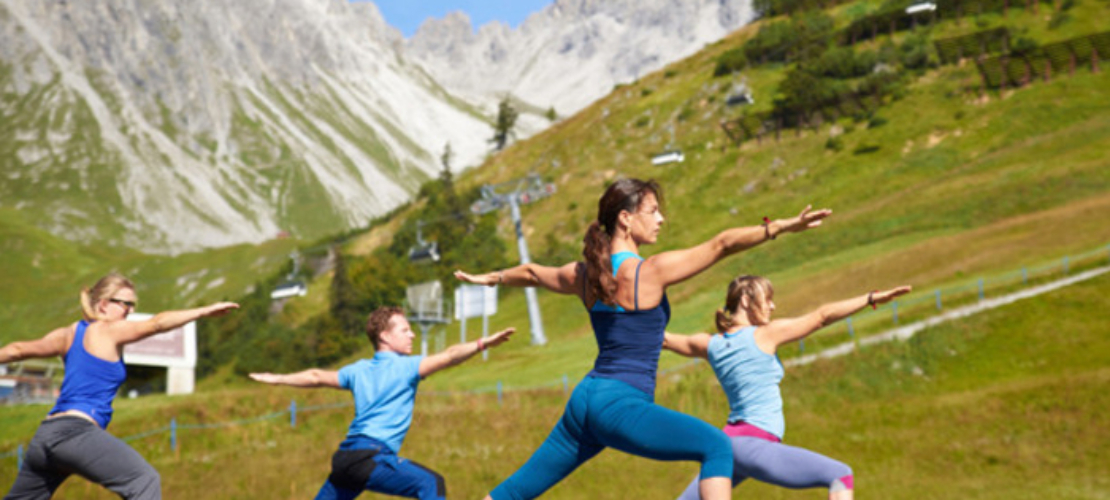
407,15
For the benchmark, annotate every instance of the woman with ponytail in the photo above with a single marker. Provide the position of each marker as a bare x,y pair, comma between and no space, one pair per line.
72,438
625,296
742,355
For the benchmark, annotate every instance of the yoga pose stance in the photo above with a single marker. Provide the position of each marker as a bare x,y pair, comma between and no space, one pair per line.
72,438
743,357
627,303
384,389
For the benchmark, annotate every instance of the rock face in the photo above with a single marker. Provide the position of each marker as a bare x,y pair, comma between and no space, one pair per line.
175,126
572,52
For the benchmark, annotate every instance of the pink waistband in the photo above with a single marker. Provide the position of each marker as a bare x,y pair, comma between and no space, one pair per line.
744,429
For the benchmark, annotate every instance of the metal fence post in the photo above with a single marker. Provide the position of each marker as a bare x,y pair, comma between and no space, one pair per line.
173,434
1065,265
19,456
293,413
894,308
498,392
802,346
980,288
1024,276
851,330
938,300
566,387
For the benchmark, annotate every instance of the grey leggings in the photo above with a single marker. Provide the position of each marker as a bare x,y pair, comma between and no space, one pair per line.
72,445
781,465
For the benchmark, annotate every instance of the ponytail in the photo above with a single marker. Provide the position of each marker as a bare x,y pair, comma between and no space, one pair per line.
88,311
599,267
724,320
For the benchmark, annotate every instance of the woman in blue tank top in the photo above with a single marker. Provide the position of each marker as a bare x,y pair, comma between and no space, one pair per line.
625,296
743,357
72,438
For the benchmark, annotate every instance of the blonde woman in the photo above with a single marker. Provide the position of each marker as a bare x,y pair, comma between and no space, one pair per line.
72,439
743,355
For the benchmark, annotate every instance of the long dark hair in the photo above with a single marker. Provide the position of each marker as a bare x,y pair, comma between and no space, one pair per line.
623,195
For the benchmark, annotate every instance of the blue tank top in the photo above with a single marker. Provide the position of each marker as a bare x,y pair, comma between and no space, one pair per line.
90,383
750,378
628,342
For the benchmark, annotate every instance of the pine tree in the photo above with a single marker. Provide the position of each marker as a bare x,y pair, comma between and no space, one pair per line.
503,127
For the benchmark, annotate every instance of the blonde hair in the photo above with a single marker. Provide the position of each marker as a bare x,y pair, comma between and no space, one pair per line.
104,288
758,290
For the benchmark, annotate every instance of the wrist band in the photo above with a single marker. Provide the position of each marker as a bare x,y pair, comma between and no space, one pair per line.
501,277
767,229
871,300
481,345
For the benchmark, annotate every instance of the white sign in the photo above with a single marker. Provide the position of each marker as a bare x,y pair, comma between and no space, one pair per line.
175,349
475,301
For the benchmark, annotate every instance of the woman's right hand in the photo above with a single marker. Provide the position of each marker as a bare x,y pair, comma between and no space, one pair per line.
488,279
805,220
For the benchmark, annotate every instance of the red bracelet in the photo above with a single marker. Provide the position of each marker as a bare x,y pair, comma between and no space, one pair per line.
871,300
767,228
481,345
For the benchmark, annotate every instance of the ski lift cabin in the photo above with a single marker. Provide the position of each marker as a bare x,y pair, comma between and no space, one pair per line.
289,289
673,156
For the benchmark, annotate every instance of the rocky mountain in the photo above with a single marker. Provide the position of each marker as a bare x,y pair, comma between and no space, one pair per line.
573,51
170,127
173,126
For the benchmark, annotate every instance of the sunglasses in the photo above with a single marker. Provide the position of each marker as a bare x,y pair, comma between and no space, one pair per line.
125,303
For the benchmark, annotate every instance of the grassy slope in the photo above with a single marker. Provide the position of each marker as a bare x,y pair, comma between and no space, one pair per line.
45,273
1007,404
961,187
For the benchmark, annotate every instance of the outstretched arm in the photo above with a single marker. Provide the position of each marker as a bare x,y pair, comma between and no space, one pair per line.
311,378
126,332
779,332
691,346
458,353
676,266
561,279
51,344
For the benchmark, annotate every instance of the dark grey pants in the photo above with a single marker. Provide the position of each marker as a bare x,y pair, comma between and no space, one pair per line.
72,445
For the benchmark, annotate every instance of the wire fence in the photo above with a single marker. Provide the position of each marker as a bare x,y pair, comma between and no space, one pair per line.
895,312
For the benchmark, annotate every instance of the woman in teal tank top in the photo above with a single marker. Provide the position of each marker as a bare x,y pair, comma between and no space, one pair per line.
743,355
625,298
72,438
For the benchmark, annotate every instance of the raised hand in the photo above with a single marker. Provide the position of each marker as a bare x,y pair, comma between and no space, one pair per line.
266,378
219,309
488,279
884,296
809,218
499,337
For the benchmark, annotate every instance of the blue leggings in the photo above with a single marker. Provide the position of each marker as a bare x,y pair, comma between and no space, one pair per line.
781,465
609,413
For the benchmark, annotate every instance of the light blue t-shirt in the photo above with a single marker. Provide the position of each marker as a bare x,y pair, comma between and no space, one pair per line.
384,389
750,378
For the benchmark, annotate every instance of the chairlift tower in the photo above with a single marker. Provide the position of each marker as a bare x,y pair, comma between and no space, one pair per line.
513,194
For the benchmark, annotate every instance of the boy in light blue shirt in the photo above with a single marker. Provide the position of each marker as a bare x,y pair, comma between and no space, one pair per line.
384,389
